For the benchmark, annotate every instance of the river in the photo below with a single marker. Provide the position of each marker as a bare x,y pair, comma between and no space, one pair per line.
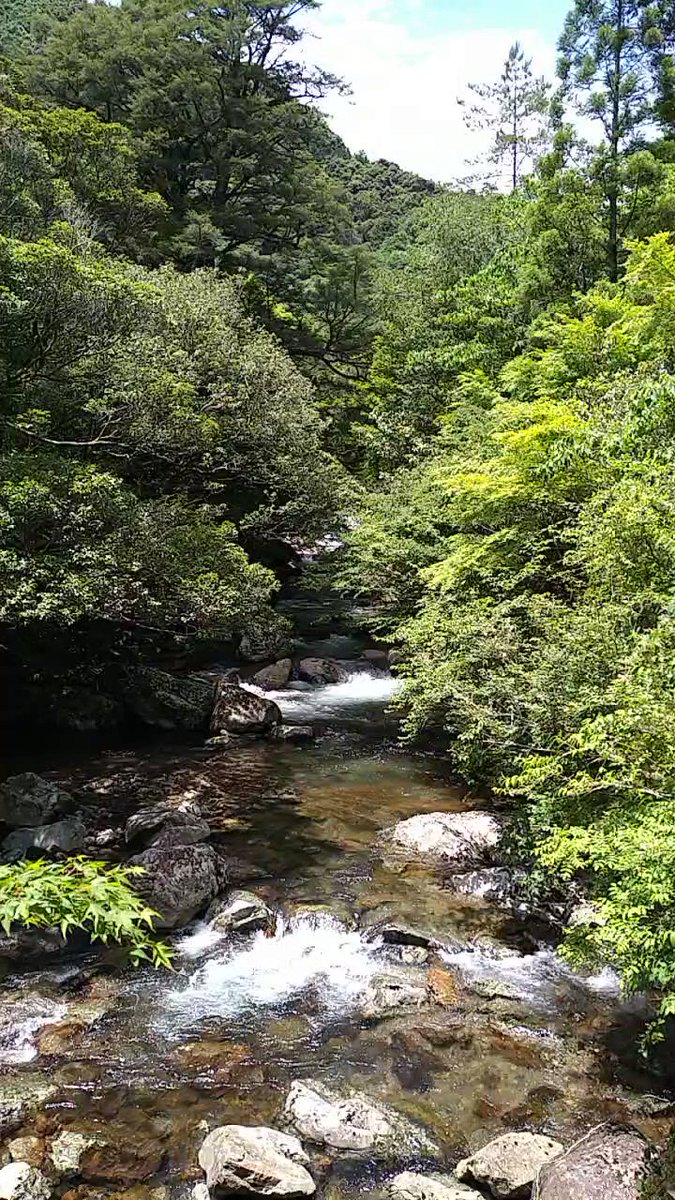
515,1041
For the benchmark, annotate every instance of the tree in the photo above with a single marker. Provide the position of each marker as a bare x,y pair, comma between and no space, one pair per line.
611,54
24,22
514,110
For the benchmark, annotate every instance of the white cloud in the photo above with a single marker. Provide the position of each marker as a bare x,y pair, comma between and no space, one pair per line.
406,81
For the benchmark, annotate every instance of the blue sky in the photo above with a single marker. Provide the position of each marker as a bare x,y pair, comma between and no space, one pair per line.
409,61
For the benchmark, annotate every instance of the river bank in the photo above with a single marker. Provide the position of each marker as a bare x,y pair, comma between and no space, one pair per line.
371,975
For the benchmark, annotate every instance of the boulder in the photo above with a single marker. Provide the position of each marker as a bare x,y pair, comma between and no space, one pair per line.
164,701
322,670
294,733
163,825
610,1161
486,883
20,1181
354,1123
254,1161
67,836
28,947
179,882
30,800
459,839
399,935
274,677
508,1166
237,710
410,1185
240,912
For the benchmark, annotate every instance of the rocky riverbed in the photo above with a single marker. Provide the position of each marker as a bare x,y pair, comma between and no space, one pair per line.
356,1007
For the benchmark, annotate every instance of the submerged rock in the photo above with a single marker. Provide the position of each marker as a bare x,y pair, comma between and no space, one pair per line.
508,1165
66,836
255,1161
67,1150
166,701
274,677
458,839
611,1161
410,1185
164,825
353,1123
20,1181
322,670
239,711
487,883
30,800
179,881
293,733
20,1096
240,912
394,990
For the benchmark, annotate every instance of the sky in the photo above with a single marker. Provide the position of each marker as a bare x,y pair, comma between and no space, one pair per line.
407,63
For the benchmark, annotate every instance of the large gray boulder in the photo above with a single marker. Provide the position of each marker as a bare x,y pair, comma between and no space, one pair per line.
66,836
608,1164
508,1165
240,912
164,825
164,701
20,1181
353,1123
395,990
410,1185
179,882
237,710
322,670
30,800
274,677
255,1161
460,840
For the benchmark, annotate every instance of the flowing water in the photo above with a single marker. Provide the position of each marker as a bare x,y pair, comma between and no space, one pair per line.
512,1040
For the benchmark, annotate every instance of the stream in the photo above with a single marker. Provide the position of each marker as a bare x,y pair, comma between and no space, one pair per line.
516,1040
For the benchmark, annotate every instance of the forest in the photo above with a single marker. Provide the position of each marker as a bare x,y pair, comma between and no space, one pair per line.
224,338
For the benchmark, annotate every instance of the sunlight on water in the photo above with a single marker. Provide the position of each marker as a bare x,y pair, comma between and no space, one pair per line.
20,1024
540,977
312,950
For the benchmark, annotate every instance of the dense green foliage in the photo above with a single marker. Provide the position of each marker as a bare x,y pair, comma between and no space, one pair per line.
520,547
81,895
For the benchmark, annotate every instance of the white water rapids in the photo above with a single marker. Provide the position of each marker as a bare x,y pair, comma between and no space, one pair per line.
302,702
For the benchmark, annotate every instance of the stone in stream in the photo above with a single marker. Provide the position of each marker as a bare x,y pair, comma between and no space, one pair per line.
398,988
354,1123
67,1149
240,1160
275,677
164,825
179,882
611,1161
379,658
20,1181
20,1096
508,1165
30,800
239,711
459,839
65,836
240,912
410,1185
486,883
293,733
322,670
28,1149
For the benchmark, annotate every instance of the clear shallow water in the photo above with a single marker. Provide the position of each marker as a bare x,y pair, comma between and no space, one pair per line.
524,1044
